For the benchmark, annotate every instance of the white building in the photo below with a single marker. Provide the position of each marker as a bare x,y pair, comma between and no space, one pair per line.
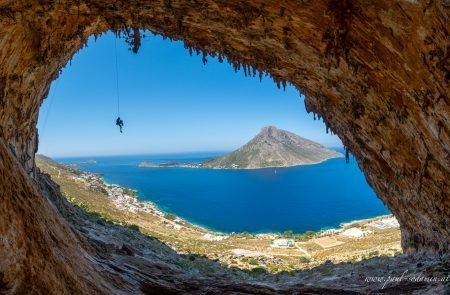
211,237
282,243
356,232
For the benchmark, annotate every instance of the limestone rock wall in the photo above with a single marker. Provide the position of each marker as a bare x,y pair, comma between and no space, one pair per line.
375,71
40,254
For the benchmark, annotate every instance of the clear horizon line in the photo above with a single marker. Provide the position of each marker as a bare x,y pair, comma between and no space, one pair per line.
150,153
135,154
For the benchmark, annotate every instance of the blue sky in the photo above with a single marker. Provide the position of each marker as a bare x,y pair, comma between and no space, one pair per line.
170,103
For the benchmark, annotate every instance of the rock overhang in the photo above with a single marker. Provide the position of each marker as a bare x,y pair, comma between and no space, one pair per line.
377,73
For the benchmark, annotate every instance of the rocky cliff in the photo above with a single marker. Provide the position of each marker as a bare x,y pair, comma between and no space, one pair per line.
376,72
273,147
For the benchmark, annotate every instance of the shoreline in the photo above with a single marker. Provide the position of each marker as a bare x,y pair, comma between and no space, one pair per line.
199,165
155,209
133,203
279,167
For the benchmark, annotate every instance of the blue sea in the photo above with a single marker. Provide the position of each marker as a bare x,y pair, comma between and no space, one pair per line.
302,198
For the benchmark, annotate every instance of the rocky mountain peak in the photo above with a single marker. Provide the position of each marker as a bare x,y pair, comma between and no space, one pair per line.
273,147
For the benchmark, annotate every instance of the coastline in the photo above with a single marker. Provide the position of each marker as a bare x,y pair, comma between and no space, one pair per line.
199,166
133,203
150,207
109,203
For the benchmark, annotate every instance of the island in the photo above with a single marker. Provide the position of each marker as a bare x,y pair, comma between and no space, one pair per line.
274,147
147,164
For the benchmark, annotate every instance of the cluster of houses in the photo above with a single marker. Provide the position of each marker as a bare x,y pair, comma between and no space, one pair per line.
123,199
385,223
90,179
127,202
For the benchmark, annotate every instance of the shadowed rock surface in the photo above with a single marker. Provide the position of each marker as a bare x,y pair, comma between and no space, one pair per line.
375,71
273,147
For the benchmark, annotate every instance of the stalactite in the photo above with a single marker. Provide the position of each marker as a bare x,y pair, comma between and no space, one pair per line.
236,66
319,35
260,73
276,80
347,154
254,71
136,39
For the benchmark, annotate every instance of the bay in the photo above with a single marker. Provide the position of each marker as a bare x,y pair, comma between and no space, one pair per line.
301,198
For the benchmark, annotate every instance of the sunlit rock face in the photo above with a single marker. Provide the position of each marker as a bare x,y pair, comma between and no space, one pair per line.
375,71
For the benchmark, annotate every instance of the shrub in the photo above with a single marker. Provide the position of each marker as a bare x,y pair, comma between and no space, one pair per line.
258,271
374,253
309,233
134,227
100,221
191,257
304,259
288,233
169,216
253,261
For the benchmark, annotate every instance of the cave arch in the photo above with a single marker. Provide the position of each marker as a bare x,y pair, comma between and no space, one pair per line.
376,72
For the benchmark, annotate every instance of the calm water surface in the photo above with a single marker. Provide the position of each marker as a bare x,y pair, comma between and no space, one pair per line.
299,198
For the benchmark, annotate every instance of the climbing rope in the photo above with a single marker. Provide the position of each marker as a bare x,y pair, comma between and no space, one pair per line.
119,121
117,77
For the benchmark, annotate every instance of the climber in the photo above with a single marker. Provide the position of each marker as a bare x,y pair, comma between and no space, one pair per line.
119,123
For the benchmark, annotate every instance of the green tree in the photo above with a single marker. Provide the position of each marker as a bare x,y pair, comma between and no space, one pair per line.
309,233
288,233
